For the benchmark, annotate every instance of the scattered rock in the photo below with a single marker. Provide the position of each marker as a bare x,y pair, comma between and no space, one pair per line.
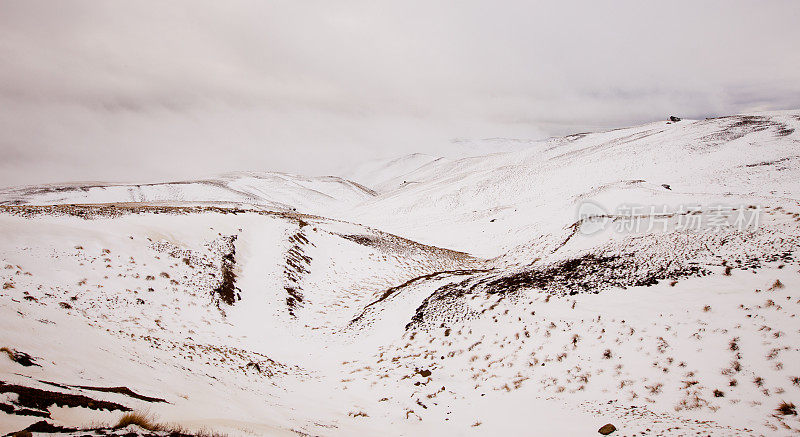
607,429
29,398
674,118
123,391
18,357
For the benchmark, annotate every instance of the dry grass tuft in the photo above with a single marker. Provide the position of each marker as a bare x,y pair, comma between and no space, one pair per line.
142,420
146,421
8,352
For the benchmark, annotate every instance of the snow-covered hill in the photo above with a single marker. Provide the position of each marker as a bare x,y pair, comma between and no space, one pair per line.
274,191
645,277
503,200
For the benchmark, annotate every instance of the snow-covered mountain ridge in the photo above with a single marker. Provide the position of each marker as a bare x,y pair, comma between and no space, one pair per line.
268,190
645,277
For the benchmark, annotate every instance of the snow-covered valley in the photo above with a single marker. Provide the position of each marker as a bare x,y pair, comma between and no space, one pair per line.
644,277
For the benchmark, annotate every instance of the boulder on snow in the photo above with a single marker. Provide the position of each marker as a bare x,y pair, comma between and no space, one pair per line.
674,118
607,429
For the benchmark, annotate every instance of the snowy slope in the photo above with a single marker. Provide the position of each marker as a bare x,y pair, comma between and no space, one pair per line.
475,300
383,176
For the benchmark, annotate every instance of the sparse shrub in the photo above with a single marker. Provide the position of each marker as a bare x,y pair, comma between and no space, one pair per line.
777,285
795,380
719,393
228,291
687,384
8,285
728,270
655,388
357,414
206,433
691,402
707,308
607,354
733,383
758,381
787,409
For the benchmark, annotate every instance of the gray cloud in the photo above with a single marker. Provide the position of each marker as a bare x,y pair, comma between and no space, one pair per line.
158,90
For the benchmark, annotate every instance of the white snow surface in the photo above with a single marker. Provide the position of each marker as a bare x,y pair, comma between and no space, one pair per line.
430,297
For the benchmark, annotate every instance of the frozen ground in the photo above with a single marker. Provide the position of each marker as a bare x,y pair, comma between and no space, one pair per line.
644,277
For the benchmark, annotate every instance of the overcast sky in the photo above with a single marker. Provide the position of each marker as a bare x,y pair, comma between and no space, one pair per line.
163,90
